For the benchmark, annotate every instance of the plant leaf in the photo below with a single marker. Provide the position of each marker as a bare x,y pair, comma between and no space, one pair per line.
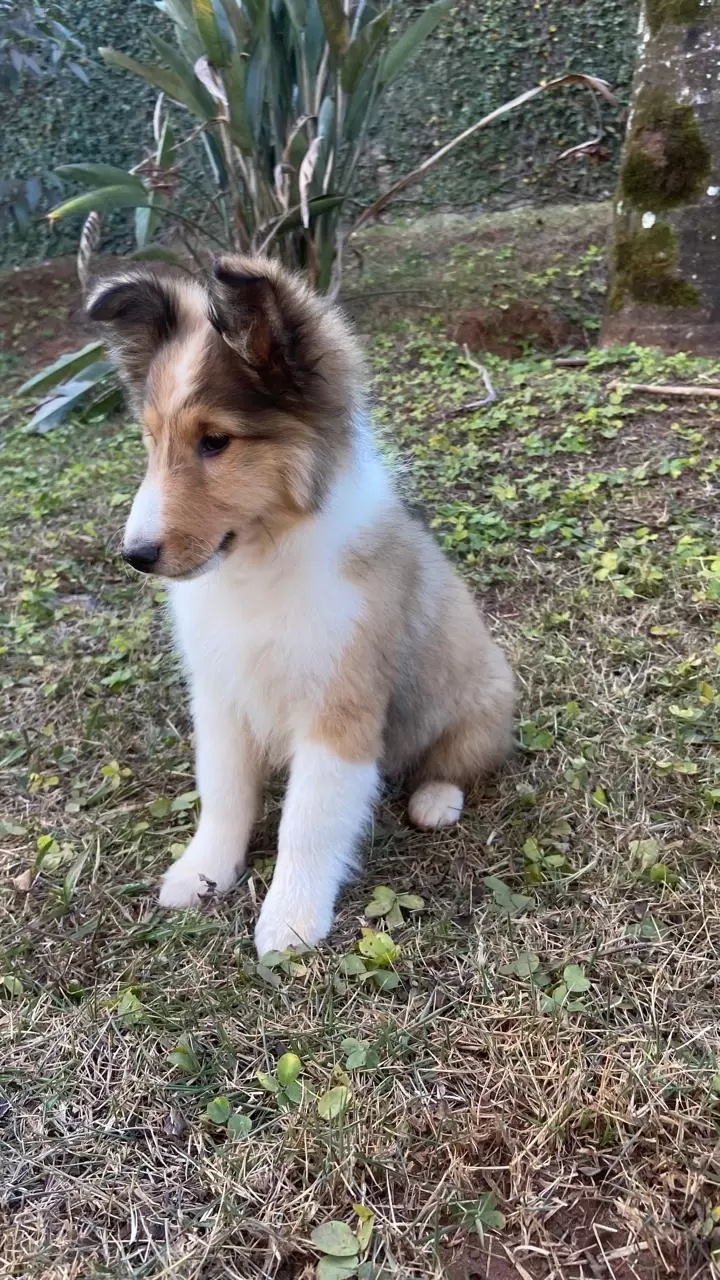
146,220
363,49
234,81
411,902
378,947
332,1268
196,96
385,979
317,206
238,20
394,918
292,1092
209,31
512,903
267,1082
349,1044
487,1216
334,1102
355,1058
239,1126
62,369
575,979
524,966
307,169
184,1057
326,118
288,1069
183,802
382,900
54,411
274,959
102,199
337,27
365,1226
335,1238
129,1008
352,966
405,48
167,81
375,909
102,175
218,1111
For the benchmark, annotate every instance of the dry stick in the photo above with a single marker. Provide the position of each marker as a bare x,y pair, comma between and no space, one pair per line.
470,405
491,392
579,362
658,389
592,82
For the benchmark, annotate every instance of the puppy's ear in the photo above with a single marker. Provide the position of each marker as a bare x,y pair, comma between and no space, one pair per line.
265,317
139,310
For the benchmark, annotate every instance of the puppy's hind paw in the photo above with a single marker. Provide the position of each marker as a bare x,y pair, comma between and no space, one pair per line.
435,804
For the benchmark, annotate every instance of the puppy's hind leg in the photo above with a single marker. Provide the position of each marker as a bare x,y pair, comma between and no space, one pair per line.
475,745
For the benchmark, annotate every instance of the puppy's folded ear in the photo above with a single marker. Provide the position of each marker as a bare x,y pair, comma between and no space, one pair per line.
266,317
139,309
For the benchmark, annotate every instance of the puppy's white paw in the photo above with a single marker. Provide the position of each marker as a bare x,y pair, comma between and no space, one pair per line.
290,920
198,874
435,804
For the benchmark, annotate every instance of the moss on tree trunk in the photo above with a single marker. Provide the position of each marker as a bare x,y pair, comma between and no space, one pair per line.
665,288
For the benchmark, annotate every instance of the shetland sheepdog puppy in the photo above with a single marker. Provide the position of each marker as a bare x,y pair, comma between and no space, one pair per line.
321,628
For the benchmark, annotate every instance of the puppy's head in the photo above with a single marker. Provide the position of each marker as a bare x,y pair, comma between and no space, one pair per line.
246,384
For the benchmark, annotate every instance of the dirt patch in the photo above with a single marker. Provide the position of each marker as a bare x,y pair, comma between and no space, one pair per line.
475,1260
38,314
586,1245
509,331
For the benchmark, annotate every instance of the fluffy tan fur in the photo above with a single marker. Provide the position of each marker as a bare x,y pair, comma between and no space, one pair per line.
252,354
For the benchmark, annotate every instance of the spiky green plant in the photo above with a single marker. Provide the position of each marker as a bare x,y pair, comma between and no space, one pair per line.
282,94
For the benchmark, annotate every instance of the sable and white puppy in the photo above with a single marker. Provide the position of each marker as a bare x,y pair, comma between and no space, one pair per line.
321,627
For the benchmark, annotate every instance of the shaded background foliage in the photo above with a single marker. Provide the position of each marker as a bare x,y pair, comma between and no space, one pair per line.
484,53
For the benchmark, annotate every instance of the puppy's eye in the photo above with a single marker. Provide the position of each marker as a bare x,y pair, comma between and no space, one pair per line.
210,446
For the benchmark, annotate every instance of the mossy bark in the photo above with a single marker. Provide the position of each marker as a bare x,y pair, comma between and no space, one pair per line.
665,269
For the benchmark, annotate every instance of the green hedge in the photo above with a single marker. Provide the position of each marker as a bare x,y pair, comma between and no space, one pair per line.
488,51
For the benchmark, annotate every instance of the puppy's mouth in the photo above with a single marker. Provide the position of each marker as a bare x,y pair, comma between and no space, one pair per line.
224,547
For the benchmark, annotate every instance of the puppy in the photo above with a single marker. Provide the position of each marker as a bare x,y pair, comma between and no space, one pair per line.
320,626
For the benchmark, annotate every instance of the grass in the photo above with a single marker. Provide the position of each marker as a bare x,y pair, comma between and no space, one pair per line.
539,1093
451,265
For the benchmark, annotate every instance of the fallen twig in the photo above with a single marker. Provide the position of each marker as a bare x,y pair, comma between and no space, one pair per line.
469,406
491,392
579,361
660,389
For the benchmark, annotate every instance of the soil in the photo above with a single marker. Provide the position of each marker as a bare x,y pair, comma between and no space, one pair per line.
585,1241
39,320
509,331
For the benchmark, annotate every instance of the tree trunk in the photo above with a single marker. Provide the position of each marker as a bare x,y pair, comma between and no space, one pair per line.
665,269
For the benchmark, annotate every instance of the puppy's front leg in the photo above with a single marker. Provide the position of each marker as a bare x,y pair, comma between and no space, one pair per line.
328,803
229,779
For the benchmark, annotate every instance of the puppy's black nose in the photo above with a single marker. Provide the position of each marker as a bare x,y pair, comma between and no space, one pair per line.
143,557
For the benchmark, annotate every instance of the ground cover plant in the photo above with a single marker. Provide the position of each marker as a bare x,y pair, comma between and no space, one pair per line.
505,1061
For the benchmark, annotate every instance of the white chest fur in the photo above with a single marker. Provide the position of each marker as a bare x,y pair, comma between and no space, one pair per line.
266,637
